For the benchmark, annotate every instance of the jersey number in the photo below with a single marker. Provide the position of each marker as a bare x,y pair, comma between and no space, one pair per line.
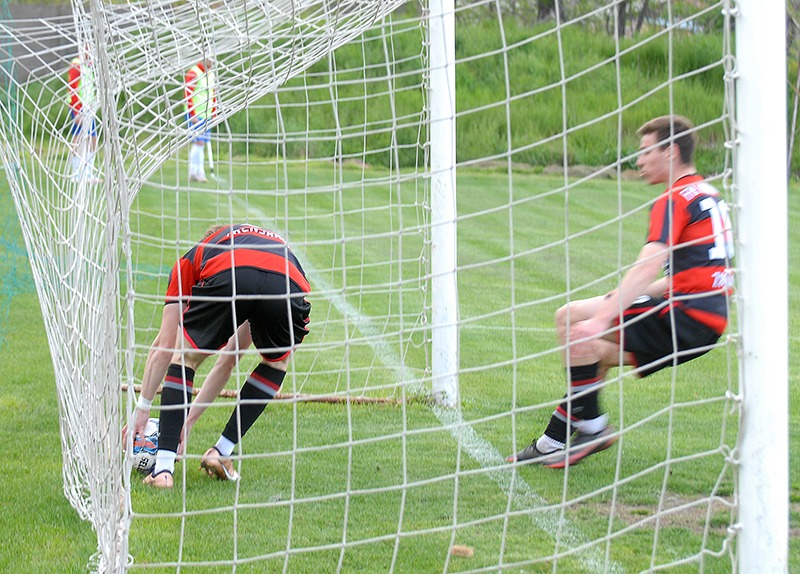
721,227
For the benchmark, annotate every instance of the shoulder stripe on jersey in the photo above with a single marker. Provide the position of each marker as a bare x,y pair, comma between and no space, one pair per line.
263,260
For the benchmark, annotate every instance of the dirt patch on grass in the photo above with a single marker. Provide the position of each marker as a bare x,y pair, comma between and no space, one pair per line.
794,521
676,512
576,171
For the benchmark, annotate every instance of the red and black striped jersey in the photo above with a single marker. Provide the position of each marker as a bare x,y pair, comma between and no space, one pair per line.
692,220
240,245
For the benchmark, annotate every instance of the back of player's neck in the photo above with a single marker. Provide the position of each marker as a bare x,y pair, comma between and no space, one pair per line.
682,173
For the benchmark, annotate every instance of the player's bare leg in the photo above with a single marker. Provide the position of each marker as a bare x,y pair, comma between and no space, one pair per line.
578,423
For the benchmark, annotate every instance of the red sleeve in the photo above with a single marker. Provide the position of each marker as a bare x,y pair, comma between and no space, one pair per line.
181,280
668,212
74,81
188,90
213,101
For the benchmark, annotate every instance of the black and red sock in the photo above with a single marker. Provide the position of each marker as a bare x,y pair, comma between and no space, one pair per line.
176,392
582,379
261,387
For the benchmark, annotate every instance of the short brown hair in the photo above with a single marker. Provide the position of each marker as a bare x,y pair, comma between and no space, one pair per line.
684,136
212,230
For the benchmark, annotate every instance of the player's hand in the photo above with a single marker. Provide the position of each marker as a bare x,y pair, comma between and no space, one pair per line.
140,417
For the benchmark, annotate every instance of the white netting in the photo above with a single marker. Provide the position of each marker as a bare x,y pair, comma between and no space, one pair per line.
323,134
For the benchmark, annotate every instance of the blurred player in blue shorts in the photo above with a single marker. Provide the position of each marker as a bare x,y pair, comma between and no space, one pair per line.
200,106
82,87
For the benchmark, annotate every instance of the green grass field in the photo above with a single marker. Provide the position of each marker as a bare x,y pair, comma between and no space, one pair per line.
392,480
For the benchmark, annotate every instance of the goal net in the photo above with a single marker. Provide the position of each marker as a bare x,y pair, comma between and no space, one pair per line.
448,176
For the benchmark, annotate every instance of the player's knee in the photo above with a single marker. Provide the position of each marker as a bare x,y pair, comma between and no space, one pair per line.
560,316
280,365
191,359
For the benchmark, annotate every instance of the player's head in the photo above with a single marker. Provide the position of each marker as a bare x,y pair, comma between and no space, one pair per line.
667,144
212,230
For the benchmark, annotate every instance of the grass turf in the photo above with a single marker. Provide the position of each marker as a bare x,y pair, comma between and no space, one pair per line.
394,498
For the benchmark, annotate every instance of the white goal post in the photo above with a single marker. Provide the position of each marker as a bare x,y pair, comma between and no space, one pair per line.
764,451
437,257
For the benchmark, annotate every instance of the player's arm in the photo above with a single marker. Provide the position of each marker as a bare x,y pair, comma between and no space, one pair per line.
181,279
221,372
641,279
158,359
217,378
160,354
657,288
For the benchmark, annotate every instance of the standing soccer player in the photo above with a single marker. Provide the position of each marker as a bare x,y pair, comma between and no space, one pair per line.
237,274
658,319
82,100
200,106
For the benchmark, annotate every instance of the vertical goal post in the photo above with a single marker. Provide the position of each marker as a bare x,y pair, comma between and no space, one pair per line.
761,183
444,260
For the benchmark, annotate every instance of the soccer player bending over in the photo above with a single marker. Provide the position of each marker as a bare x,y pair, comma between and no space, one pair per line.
237,276
658,318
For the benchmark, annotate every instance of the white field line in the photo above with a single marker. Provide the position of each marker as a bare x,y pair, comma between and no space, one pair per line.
505,328
481,450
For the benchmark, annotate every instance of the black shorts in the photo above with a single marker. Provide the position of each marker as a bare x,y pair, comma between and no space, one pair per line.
647,334
276,308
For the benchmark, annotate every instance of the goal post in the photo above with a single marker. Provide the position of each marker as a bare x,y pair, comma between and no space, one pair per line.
761,184
444,263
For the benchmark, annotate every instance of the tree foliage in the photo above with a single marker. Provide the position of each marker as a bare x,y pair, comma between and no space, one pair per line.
623,18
